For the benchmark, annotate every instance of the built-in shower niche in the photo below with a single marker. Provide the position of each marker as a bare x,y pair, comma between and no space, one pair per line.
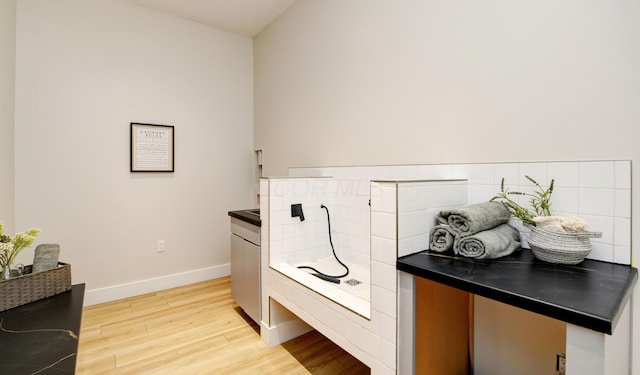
294,242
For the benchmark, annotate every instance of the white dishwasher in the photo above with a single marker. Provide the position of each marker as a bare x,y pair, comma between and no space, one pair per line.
245,261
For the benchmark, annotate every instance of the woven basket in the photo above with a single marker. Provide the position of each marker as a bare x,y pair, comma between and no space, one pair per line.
560,248
34,286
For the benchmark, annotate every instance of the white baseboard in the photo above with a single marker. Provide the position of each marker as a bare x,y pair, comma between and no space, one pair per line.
136,288
283,332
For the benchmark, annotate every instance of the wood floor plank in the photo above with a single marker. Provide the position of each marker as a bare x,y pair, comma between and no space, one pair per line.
169,348
175,362
175,343
148,306
196,329
178,332
99,314
88,363
200,311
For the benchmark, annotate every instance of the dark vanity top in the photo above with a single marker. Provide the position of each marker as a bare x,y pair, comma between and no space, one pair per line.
251,216
590,294
42,336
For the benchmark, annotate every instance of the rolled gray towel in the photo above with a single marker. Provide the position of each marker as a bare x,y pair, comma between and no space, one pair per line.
475,218
489,244
441,238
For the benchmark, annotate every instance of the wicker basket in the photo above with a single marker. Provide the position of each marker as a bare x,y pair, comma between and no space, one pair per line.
560,248
34,286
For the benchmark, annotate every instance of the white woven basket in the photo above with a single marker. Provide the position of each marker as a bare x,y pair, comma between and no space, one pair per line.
560,248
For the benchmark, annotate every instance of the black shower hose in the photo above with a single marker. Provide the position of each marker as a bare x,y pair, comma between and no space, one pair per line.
334,253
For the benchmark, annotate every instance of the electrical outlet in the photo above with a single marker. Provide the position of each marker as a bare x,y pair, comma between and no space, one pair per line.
561,364
160,246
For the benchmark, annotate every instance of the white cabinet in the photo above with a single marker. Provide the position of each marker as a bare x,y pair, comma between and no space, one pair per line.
245,267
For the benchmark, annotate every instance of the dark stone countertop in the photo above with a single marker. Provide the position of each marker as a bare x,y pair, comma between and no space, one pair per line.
42,336
251,216
590,294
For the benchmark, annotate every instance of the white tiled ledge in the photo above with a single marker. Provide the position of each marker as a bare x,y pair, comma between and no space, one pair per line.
326,289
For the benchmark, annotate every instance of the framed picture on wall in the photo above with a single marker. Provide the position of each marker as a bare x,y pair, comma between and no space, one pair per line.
151,148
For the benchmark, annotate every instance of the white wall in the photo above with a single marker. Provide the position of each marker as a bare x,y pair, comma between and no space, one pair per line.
368,82
7,86
376,82
85,70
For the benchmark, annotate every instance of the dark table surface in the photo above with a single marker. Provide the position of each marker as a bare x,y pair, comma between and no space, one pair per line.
247,216
590,294
42,336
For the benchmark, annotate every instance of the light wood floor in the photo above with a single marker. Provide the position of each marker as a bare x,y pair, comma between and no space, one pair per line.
196,329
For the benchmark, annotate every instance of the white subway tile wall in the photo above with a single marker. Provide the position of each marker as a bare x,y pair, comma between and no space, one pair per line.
597,191
418,205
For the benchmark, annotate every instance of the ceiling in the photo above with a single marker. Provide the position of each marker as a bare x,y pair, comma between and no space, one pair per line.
245,17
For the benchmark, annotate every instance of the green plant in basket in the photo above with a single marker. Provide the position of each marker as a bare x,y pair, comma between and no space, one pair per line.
540,201
11,247
539,215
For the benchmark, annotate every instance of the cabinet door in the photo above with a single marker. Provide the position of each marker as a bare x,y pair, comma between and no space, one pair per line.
442,324
252,280
237,269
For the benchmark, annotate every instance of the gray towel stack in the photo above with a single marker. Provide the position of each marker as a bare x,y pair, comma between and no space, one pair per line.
441,238
489,244
476,231
475,218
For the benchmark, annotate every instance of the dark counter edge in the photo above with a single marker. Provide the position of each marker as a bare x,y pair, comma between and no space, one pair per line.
71,321
579,318
242,215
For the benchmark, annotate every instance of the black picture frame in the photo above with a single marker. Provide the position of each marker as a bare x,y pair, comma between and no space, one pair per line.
152,148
